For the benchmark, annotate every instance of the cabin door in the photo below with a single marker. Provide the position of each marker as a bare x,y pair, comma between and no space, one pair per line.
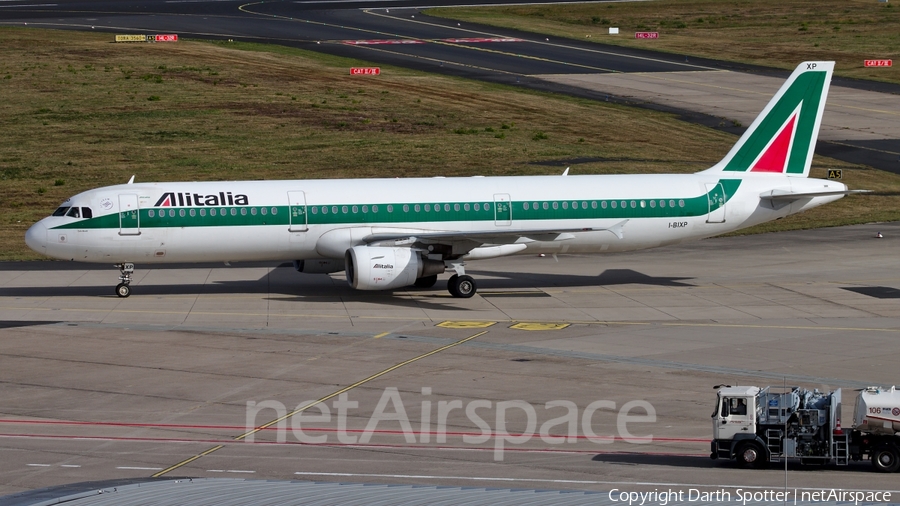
129,215
502,210
297,202
716,196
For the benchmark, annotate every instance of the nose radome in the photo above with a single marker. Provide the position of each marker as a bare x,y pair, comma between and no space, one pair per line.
36,237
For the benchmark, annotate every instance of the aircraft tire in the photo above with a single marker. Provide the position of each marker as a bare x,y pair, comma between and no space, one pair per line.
465,287
123,290
452,285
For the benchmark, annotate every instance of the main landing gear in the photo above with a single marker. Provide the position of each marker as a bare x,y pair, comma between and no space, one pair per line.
127,270
460,285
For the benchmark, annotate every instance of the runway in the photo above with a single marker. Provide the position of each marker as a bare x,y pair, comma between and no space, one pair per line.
860,125
178,379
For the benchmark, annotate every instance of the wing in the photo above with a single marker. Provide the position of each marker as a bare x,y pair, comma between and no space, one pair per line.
462,242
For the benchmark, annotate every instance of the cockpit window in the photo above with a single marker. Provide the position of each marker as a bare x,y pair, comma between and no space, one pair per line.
60,211
74,213
87,213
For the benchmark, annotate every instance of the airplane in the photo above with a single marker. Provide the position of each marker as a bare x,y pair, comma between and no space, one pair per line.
393,233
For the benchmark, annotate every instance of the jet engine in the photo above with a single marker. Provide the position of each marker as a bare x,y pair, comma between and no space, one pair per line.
381,268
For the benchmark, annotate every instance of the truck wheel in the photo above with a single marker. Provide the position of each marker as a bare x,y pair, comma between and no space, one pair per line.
750,455
885,459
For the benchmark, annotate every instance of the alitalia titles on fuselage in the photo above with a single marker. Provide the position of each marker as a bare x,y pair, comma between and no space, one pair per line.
187,199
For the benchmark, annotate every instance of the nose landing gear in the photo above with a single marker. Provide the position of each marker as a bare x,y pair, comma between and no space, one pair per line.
127,270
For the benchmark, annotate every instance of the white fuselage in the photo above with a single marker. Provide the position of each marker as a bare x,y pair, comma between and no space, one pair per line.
311,219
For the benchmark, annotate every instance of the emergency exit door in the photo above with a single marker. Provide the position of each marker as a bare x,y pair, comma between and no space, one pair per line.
297,202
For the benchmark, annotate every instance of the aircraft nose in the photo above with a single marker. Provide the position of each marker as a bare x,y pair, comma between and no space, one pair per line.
36,237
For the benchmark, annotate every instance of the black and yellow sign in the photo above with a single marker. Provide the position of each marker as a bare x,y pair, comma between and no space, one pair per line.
834,174
131,38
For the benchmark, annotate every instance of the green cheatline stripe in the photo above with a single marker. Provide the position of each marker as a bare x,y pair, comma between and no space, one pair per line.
806,89
167,217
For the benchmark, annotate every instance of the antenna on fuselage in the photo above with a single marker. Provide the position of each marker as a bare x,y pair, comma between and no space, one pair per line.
130,181
566,172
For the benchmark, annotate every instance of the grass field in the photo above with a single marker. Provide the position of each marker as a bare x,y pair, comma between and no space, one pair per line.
774,33
79,112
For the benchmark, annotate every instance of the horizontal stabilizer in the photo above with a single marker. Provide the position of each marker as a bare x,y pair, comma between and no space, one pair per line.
787,195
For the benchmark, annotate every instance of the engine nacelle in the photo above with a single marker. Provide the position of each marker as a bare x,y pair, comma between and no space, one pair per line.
319,265
380,268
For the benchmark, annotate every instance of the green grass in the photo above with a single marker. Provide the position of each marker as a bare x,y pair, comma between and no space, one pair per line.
76,110
773,33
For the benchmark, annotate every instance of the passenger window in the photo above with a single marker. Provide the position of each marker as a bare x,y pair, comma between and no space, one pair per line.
60,211
74,213
86,212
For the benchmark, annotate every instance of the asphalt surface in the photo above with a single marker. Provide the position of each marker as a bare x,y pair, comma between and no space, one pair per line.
396,33
94,387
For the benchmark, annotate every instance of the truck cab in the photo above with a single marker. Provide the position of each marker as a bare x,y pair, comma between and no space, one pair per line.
735,426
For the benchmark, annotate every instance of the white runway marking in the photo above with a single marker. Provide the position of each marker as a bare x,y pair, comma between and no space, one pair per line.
68,465
229,471
38,465
578,482
130,468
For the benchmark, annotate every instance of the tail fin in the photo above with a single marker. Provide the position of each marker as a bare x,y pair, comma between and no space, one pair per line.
782,138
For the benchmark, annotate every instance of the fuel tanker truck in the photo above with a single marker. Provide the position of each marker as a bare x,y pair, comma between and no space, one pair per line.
756,426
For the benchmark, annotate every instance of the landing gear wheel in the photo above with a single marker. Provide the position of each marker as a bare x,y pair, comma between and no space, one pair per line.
127,271
462,287
123,290
751,455
426,282
885,459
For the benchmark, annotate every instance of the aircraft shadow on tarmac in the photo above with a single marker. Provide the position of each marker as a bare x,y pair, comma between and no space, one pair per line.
311,288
